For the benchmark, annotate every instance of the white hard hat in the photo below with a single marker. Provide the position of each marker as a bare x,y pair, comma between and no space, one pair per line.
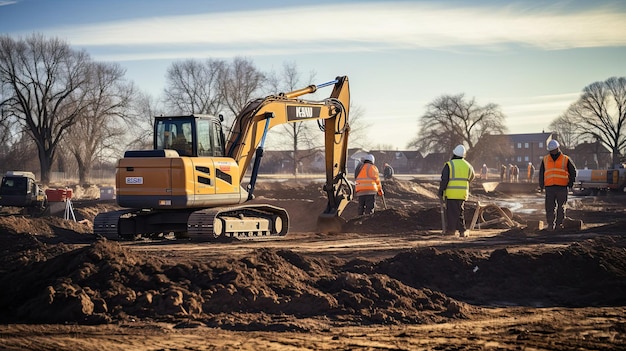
459,150
369,157
553,145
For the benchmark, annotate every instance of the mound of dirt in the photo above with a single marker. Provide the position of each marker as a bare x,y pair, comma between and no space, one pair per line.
305,200
395,220
589,273
104,282
57,271
410,190
45,226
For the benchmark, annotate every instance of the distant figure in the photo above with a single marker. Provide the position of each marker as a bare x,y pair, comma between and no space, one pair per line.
454,189
556,174
531,172
515,174
387,172
502,172
509,173
483,172
367,185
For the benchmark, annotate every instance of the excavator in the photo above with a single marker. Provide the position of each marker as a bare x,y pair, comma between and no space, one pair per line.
190,183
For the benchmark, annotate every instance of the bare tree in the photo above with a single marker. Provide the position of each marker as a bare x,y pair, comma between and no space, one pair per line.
239,83
140,120
358,128
43,80
299,136
193,86
566,130
451,120
100,126
600,114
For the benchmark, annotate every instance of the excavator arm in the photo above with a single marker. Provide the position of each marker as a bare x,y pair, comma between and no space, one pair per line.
249,130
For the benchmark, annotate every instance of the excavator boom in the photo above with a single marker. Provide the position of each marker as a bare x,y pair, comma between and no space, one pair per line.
251,126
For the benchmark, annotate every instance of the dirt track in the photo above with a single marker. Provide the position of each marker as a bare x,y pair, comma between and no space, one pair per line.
390,281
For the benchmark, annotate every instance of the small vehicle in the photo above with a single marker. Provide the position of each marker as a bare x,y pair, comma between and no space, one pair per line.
600,181
19,189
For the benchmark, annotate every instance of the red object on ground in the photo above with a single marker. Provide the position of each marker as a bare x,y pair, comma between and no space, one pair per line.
58,195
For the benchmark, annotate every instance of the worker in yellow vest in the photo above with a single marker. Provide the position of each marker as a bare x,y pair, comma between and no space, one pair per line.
454,189
556,174
367,185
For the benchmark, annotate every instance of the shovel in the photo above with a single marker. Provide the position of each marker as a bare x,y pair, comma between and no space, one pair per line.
443,215
384,202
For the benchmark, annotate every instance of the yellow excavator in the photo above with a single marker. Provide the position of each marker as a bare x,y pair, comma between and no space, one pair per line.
190,183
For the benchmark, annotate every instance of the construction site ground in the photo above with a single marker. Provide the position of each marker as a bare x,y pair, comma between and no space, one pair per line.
389,281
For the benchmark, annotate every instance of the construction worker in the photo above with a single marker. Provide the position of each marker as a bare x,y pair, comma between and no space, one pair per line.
454,188
556,174
367,185
531,172
483,172
388,172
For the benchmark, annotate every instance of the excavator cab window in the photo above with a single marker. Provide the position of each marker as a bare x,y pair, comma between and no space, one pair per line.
190,135
210,138
175,134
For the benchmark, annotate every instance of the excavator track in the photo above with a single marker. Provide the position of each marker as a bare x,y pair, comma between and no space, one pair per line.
247,222
107,224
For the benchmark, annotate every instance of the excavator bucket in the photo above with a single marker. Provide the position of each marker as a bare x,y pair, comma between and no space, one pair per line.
330,224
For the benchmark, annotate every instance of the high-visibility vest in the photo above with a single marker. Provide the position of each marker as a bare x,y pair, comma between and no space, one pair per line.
458,183
366,179
555,171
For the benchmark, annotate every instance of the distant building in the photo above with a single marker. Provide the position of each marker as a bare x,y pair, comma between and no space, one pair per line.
511,149
591,155
433,162
492,150
405,161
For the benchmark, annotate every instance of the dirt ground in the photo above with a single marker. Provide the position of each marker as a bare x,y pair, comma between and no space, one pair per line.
390,281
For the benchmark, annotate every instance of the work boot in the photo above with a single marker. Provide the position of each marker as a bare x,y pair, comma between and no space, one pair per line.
465,234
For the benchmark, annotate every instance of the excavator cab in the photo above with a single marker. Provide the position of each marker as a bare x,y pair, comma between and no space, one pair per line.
193,135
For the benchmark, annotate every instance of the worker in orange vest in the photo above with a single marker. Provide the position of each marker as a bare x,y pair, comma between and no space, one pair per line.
531,172
556,174
367,185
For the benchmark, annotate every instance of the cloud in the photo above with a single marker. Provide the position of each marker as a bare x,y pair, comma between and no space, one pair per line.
530,114
5,3
555,103
354,27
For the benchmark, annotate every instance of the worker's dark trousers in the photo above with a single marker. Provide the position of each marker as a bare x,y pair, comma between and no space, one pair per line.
556,197
455,216
366,204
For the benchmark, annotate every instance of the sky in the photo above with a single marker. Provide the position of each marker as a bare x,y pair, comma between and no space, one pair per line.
532,58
